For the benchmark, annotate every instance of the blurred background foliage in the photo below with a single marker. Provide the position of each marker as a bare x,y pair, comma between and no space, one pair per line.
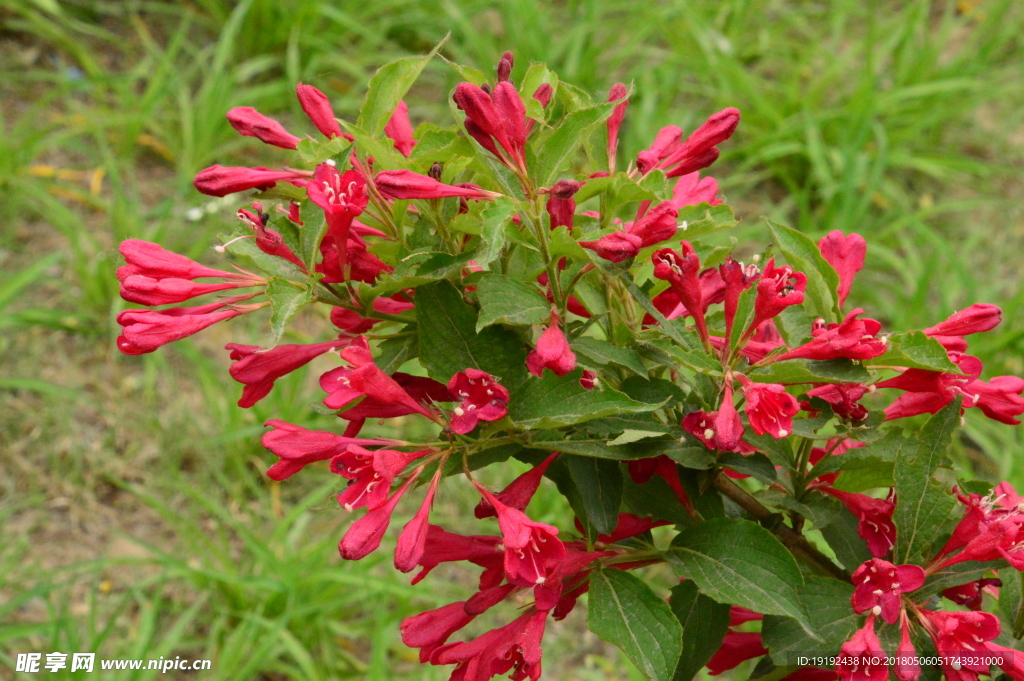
134,517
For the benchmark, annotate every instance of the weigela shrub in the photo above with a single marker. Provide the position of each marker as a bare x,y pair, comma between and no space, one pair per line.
745,409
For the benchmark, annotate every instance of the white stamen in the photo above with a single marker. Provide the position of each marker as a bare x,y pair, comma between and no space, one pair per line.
877,610
783,432
459,411
331,162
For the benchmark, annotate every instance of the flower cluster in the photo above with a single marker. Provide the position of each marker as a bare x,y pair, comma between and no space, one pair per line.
574,322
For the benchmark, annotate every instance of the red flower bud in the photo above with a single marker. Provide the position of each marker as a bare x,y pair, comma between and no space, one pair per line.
221,181
318,108
251,123
405,184
552,352
399,129
846,254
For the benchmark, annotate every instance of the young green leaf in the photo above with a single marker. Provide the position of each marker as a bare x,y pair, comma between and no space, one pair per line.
561,146
624,611
604,353
387,87
804,256
492,229
286,299
915,350
794,371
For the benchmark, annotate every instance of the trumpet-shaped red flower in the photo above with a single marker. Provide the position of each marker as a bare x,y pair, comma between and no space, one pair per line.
363,537
737,647
852,339
879,584
318,108
693,190
615,247
342,197
960,638
874,517
399,129
721,430
148,259
846,254
267,240
298,447
532,549
405,184
146,330
251,123
777,289
257,368
862,657
482,399
371,474
561,207
617,93
148,291
844,398
446,547
220,180
907,668
552,352
496,119
699,150
514,647
975,319
412,542
519,492
430,630
769,408
352,322
970,594
681,272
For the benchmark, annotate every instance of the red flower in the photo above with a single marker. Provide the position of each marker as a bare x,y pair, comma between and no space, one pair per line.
370,473
957,636
844,398
399,129
148,291
879,585
364,378
354,323
769,408
152,260
862,657
405,184
692,190
360,263
698,151
561,206
146,330
221,181
267,240
721,430
514,647
970,594
251,123
975,319
907,668
519,492
532,549
737,647
318,108
429,630
364,536
497,121
875,519
552,352
852,338
846,254
482,398
736,279
342,197
617,93
412,542
681,272
615,247
298,447
778,288
445,547
257,368
655,225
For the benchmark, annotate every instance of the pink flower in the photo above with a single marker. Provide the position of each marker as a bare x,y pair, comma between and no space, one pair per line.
342,197
846,254
429,630
421,389
298,447
681,272
370,473
589,380
412,542
852,338
405,184
561,207
318,108
737,647
778,288
970,594
615,247
221,181
698,151
148,291
655,225
907,667
862,656
267,240
879,585
364,535
257,368
844,398
146,330
975,319
552,352
769,408
445,547
359,263
692,190
482,399
496,120
615,94
721,430
354,323
514,647
957,636
152,260
251,123
532,549
399,129
519,492
874,519
364,378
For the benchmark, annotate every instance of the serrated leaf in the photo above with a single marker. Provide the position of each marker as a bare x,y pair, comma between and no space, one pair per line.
313,152
603,353
704,219
924,506
311,234
628,436
286,300
797,371
744,317
804,256
386,89
841,535
394,352
624,611
740,562
507,301
252,257
492,229
559,148
756,465
555,401
449,342
955,575
831,619
821,510
915,350
656,499
704,623
600,482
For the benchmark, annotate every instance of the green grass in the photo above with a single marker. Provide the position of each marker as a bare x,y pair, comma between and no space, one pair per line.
135,518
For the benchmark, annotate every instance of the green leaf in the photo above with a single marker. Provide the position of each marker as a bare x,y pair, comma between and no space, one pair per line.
1011,602
864,473
667,328
603,353
744,317
779,451
886,449
704,219
253,258
561,244
600,483
387,87
625,612
803,255
449,342
841,535
704,623
508,301
286,299
590,445
313,152
394,352
630,436
654,498
558,149
915,350
555,401
756,465
492,230
740,562
310,235
831,619
796,371
821,510
924,505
